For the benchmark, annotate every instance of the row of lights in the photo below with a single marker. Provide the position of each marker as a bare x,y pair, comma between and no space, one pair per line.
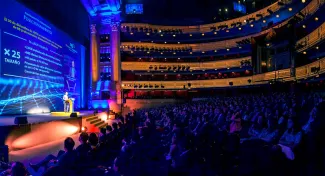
203,52
317,47
239,28
179,67
228,68
226,10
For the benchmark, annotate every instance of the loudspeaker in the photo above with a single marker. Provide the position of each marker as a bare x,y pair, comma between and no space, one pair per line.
73,114
4,153
21,120
231,83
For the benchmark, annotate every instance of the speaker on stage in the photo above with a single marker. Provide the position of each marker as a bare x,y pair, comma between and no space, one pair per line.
231,83
73,114
21,120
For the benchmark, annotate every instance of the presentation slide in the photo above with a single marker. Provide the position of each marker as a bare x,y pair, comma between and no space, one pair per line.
38,62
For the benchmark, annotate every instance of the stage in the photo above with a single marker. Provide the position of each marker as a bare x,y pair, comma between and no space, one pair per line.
39,118
44,134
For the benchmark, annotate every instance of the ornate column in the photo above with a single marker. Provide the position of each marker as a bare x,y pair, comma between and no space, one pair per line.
113,22
115,49
94,55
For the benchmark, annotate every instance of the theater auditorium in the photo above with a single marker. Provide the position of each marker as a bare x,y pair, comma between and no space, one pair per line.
162,87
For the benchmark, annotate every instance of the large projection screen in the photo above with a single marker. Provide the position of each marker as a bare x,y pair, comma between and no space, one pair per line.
38,62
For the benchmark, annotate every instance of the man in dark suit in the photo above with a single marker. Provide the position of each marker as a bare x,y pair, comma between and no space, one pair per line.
65,159
84,147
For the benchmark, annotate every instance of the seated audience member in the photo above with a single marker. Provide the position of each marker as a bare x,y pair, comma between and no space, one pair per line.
174,148
102,135
290,139
16,169
270,133
282,123
256,129
235,125
93,153
84,147
124,159
182,163
109,129
307,127
66,159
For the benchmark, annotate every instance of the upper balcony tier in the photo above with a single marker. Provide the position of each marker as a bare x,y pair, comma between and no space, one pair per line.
260,14
247,25
311,8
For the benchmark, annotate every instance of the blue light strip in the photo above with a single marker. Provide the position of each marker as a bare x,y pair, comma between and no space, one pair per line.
82,76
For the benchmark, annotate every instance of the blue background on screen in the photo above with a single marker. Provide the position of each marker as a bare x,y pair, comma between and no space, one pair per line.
38,62
239,7
134,8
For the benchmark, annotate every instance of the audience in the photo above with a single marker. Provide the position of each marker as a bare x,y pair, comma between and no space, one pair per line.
206,137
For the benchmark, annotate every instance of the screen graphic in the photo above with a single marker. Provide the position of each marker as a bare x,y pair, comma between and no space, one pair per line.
134,8
239,7
38,62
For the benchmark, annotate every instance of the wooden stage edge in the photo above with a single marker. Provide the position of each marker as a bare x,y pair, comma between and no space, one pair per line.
61,114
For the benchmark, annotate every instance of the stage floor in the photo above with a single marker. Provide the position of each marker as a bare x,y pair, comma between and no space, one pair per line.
37,118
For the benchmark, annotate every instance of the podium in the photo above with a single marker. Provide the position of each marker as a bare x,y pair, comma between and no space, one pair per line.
71,109
71,102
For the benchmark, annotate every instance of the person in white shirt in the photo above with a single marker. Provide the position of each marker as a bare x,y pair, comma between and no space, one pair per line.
66,102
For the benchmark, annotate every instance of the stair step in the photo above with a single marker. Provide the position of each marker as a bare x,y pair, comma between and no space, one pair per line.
102,126
99,123
95,121
91,118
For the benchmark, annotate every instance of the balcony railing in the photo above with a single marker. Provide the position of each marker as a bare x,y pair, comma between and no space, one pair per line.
311,39
303,72
140,66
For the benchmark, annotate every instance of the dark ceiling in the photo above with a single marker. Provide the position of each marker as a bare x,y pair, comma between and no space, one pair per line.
68,15
190,12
